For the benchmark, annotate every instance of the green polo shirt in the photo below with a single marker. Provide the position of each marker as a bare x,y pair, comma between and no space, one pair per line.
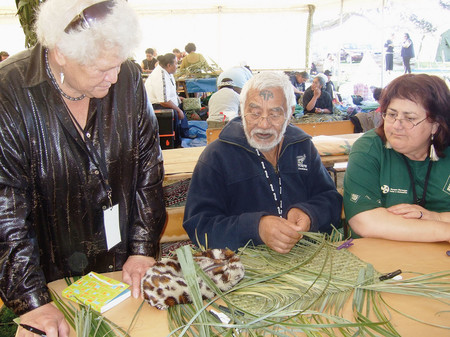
378,177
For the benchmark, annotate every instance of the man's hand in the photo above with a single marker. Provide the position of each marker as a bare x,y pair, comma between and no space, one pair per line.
299,219
134,269
46,318
278,233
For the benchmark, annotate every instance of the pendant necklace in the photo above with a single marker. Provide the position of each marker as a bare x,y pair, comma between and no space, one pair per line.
418,201
55,84
279,202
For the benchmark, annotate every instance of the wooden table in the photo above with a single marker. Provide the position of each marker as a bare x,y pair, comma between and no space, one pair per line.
180,163
385,256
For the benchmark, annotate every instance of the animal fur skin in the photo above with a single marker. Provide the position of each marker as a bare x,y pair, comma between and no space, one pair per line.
163,284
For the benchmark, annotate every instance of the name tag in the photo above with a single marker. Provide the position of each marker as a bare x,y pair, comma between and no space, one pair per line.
112,227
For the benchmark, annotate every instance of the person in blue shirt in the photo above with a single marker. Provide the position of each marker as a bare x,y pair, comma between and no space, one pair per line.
298,80
262,179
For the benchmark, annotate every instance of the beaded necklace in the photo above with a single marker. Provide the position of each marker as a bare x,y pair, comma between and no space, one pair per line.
278,202
55,84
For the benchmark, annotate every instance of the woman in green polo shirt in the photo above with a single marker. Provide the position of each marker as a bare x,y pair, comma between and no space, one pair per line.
397,184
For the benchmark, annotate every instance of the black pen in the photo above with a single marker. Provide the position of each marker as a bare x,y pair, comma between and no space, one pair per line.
34,330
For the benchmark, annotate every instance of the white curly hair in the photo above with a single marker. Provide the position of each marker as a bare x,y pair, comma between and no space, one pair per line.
119,30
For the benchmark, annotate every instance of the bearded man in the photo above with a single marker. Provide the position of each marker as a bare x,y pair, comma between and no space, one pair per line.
262,179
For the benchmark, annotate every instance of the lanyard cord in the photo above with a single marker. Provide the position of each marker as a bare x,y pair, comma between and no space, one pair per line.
422,201
99,161
279,202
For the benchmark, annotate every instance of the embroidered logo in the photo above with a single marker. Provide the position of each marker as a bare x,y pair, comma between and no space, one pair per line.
385,189
446,188
354,197
300,161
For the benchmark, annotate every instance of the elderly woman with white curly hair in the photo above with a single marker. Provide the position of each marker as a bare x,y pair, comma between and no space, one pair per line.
81,168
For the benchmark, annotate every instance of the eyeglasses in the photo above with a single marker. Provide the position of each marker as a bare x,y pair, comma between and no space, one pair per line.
89,15
407,123
274,119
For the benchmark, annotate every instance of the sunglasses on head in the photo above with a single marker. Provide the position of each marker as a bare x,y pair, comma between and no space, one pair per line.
89,15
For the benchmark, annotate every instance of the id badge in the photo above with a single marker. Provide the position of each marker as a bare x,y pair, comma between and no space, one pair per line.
112,227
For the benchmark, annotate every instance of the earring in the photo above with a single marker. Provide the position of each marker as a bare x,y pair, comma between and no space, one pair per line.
433,154
61,77
388,145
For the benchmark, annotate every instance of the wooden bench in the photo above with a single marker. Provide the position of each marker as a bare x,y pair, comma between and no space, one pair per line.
312,129
327,128
173,229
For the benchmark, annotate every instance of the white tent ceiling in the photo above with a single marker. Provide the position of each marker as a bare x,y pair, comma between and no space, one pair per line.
264,33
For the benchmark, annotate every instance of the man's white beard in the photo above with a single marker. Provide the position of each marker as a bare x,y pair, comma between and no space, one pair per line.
261,145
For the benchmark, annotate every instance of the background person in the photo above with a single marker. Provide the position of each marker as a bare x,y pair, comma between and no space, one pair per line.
3,55
389,57
150,61
397,184
263,179
162,92
239,75
223,104
179,55
329,86
77,137
192,57
298,80
407,53
316,99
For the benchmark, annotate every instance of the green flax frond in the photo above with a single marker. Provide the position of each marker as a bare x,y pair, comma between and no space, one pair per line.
304,291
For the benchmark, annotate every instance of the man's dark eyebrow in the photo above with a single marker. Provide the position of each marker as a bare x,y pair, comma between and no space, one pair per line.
266,94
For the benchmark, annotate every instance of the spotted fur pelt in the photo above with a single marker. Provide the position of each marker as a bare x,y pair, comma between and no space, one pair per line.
163,284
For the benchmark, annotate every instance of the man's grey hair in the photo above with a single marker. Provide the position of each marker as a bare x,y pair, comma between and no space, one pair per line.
118,31
269,79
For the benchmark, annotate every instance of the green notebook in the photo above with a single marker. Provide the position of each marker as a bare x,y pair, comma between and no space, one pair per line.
99,292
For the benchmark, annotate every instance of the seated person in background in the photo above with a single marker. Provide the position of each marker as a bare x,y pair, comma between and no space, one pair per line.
3,55
223,104
239,75
162,92
179,55
263,179
298,80
192,57
316,99
397,184
329,86
362,89
149,63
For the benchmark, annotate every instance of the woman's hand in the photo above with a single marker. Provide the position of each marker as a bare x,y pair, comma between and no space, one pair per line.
134,269
414,212
317,92
46,318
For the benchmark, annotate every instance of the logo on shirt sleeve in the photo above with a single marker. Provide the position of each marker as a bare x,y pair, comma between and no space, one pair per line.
300,163
354,197
446,188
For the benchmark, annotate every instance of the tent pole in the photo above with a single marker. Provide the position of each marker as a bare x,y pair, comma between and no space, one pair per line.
311,9
340,43
383,54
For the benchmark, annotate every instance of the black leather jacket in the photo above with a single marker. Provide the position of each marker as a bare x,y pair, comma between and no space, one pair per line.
51,193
